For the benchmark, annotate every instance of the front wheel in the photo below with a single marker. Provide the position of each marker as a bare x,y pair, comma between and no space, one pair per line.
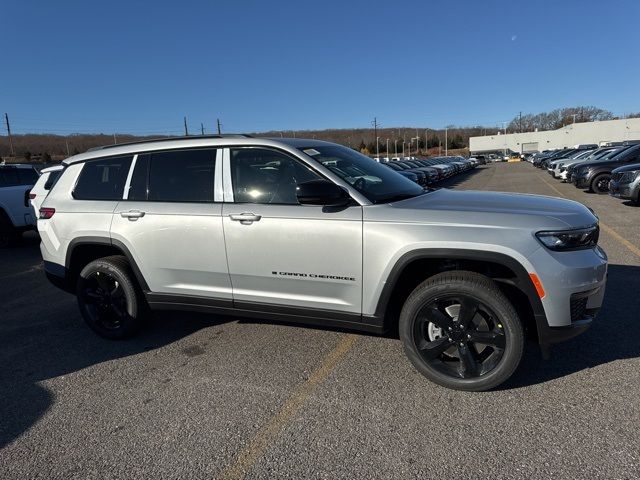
460,331
600,184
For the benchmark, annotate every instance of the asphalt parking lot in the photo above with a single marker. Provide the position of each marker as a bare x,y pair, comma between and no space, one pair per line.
208,397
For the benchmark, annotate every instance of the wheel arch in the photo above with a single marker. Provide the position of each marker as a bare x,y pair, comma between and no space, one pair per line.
82,250
414,267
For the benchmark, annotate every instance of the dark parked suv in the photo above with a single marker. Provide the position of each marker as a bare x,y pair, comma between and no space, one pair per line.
595,176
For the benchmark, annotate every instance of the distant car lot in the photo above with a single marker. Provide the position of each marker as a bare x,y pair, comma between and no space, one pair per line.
212,397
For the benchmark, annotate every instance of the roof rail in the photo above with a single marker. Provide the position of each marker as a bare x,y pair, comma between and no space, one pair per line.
169,139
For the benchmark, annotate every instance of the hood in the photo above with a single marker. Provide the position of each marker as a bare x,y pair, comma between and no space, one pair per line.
627,168
502,209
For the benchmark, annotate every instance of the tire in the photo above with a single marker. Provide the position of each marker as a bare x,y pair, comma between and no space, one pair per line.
600,184
444,347
115,315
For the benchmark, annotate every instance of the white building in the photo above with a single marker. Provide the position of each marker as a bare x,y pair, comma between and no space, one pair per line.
574,134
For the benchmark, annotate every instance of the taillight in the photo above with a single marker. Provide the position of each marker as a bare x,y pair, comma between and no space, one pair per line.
46,213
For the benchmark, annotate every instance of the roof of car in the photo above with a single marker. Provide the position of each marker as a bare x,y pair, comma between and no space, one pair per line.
16,165
190,142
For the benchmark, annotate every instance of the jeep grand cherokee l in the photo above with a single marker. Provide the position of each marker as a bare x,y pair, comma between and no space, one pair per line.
308,231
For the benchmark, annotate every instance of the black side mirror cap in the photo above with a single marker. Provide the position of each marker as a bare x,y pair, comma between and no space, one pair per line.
323,193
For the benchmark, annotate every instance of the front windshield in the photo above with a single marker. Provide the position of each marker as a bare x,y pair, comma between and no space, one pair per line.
378,183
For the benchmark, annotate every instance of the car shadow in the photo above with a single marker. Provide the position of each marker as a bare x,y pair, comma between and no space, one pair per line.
613,336
32,354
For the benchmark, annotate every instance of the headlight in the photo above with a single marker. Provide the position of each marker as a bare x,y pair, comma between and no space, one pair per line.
630,176
570,239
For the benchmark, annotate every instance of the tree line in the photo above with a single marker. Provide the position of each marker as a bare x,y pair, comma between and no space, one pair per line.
47,147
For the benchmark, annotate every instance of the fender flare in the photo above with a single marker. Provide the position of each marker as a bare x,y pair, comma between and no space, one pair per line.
107,241
522,282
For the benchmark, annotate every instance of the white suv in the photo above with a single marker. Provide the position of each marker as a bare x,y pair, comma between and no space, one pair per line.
16,215
307,231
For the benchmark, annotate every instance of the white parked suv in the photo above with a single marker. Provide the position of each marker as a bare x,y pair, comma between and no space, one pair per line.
308,231
40,190
16,215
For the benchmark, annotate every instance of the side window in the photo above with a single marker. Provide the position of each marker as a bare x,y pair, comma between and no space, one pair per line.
174,176
9,177
103,179
260,175
51,180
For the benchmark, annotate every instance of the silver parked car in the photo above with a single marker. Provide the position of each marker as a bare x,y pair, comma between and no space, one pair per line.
308,231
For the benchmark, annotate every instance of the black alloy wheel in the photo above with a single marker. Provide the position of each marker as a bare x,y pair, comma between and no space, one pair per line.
460,331
109,298
459,336
600,183
104,300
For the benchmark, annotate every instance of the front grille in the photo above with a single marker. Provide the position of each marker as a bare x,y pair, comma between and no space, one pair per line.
578,308
617,176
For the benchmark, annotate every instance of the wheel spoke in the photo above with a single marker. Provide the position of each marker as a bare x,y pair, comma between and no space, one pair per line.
117,291
117,309
468,363
438,318
103,282
468,310
493,338
91,295
432,350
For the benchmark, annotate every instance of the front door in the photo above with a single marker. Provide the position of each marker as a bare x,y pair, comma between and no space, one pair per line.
281,252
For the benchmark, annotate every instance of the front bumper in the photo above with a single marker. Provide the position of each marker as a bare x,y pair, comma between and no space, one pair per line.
574,285
580,181
627,191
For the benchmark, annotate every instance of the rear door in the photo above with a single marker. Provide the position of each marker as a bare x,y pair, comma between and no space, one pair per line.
282,253
170,220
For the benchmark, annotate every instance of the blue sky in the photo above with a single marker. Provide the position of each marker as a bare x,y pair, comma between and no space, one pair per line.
116,66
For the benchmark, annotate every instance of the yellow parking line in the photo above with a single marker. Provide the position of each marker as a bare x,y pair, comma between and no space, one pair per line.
630,246
268,433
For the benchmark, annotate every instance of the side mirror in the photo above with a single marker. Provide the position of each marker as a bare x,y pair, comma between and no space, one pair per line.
322,192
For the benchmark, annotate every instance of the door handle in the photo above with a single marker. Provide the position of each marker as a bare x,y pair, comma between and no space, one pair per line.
132,215
245,218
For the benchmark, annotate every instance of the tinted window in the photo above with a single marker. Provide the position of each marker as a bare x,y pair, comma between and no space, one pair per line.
27,176
174,176
103,179
8,177
51,180
267,176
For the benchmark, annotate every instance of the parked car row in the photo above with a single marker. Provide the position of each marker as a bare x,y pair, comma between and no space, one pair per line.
608,169
429,171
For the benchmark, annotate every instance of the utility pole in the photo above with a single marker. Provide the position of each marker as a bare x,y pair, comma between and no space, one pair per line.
378,147
520,123
186,130
396,144
219,127
201,128
446,141
115,140
375,130
66,141
387,150
6,119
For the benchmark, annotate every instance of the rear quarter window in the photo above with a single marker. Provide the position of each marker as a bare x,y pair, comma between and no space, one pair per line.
103,179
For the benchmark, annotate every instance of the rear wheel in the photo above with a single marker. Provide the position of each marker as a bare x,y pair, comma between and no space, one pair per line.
460,331
109,299
600,184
